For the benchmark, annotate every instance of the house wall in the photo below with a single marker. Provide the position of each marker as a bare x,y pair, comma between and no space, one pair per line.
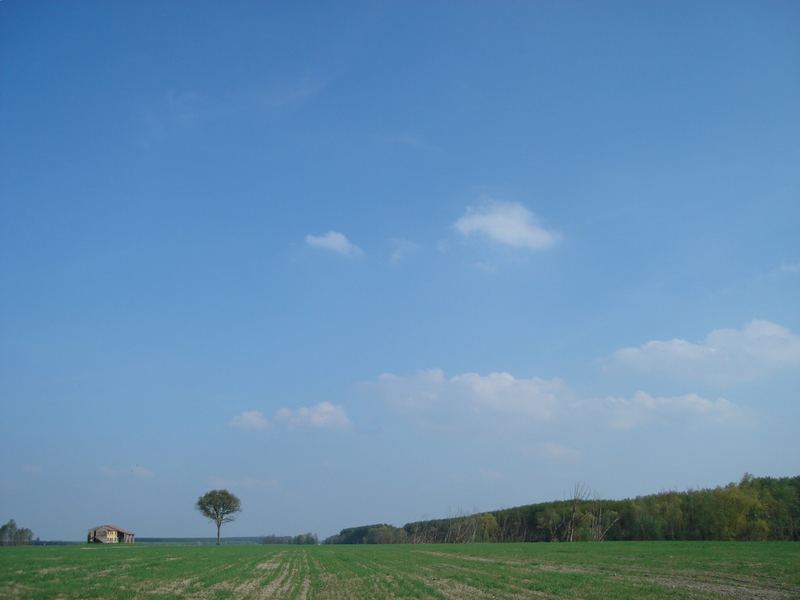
106,535
100,534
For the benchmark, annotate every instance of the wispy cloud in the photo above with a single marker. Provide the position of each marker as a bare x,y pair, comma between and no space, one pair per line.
790,267
559,452
249,483
297,92
141,472
250,420
412,141
643,408
508,223
486,267
402,250
334,241
490,474
324,415
725,356
136,471
175,111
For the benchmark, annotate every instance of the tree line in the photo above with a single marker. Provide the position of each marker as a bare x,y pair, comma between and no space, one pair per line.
301,539
11,535
756,508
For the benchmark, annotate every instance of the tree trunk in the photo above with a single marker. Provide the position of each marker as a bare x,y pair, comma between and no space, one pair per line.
218,526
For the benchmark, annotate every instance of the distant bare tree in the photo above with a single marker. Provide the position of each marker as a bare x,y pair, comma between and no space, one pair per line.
423,532
580,493
601,521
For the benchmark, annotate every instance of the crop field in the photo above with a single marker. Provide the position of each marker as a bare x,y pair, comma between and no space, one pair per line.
578,570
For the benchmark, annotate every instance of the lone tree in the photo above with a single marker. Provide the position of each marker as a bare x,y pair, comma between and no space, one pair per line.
220,506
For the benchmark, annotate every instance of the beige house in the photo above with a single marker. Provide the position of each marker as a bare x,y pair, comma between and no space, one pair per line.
108,534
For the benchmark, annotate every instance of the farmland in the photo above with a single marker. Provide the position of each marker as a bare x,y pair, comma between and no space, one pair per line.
577,570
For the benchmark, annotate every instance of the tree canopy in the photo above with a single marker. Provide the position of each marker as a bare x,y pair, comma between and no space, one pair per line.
756,508
11,535
220,506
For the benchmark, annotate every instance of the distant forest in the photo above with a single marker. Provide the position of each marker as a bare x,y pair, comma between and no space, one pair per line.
301,539
11,535
756,508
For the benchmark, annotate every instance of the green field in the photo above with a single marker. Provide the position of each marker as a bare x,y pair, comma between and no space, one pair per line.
578,570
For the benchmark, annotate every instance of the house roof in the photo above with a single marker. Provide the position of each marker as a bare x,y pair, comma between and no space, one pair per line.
115,528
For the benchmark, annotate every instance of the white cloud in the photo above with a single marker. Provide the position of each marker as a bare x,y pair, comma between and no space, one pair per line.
502,392
250,419
431,399
335,242
323,416
436,397
725,356
642,408
556,451
508,223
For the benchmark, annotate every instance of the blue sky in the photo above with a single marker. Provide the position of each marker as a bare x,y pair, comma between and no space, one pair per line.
384,261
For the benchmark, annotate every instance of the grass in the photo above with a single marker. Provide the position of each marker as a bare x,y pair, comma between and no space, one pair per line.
580,570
